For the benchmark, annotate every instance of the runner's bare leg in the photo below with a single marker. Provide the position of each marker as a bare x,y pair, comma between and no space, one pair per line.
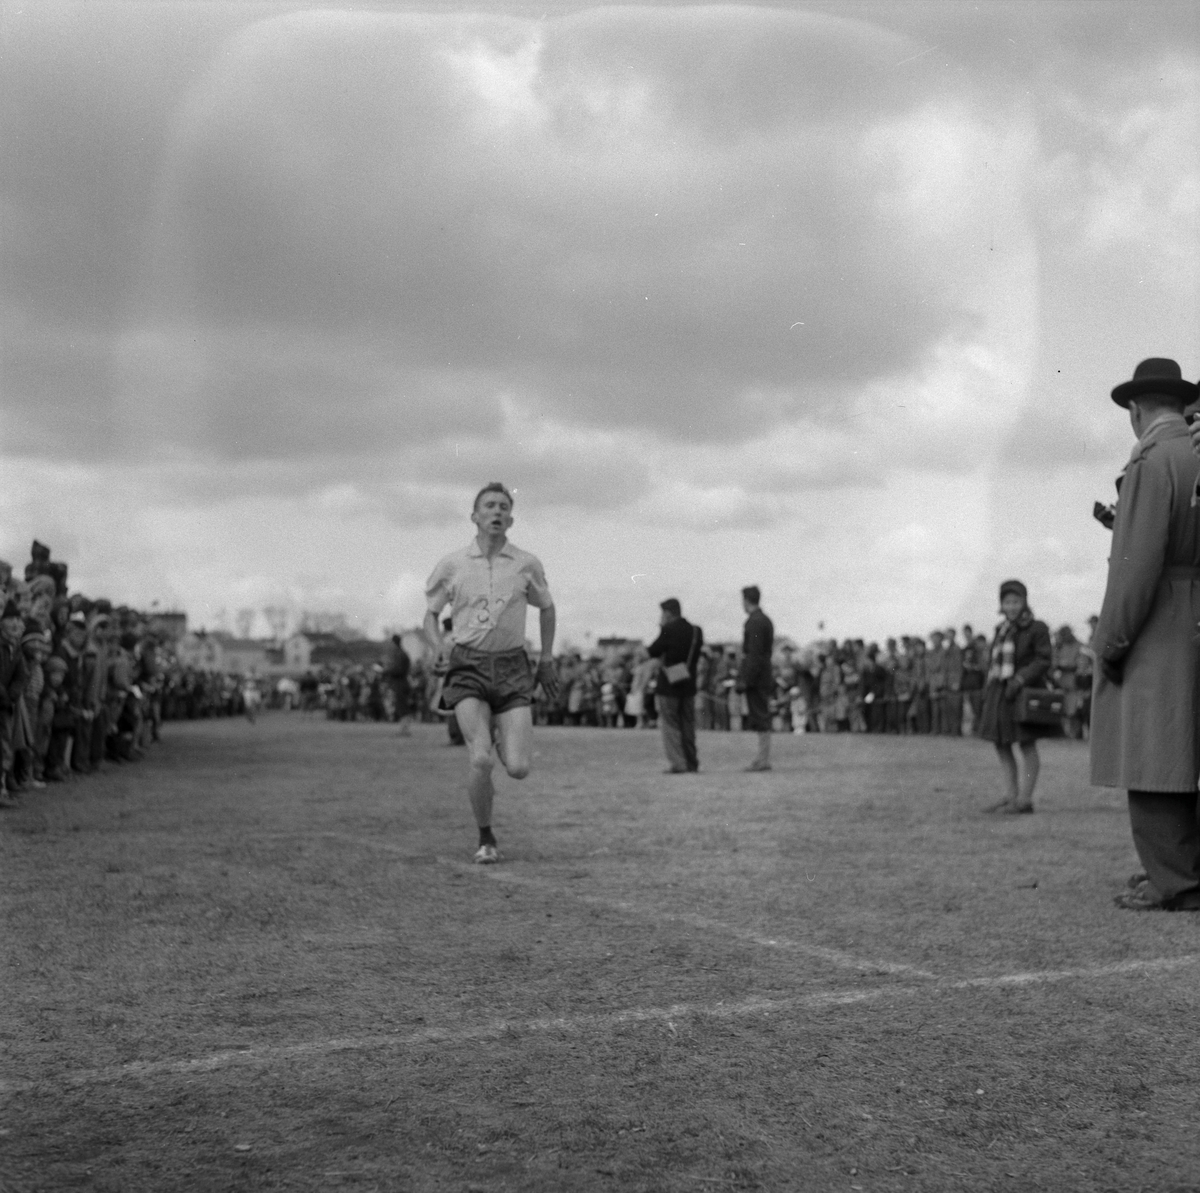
515,744
475,720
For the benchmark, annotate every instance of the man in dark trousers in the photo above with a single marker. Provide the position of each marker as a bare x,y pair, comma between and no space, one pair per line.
755,676
1146,694
677,647
398,667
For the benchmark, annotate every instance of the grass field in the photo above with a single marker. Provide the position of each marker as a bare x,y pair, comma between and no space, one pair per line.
261,960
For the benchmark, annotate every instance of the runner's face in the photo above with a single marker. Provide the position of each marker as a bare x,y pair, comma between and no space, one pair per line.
493,513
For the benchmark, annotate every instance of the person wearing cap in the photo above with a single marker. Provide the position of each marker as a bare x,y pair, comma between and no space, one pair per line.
677,648
1146,688
56,714
71,649
489,585
120,701
1020,657
755,677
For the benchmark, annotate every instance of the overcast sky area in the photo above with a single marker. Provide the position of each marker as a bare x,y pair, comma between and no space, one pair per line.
828,298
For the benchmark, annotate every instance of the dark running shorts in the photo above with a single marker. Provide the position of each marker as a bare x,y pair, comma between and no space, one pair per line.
502,679
759,707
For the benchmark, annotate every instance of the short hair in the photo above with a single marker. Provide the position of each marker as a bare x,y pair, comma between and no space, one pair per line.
1155,401
752,594
672,606
491,487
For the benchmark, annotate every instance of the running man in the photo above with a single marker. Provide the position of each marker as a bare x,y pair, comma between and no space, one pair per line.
488,585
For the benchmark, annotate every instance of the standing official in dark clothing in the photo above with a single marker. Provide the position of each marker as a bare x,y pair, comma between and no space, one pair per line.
755,677
398,667
1146,694
677,647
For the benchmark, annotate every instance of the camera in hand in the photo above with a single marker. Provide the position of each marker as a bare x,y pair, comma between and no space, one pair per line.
1106,515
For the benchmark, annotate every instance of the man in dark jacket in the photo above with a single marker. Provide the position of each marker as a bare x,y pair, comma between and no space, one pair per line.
677,647
755,677
71,649
397,670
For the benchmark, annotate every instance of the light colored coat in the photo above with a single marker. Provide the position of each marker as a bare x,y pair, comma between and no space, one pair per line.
1146,730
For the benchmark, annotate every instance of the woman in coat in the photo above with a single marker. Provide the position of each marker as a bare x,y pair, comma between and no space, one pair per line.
1020,658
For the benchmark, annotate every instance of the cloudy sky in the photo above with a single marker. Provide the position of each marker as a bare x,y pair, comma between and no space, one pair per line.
825,297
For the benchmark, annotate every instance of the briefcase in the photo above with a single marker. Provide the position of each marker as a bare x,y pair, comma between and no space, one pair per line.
1040,706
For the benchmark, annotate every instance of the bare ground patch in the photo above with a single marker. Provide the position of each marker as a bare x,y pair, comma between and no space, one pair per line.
257,961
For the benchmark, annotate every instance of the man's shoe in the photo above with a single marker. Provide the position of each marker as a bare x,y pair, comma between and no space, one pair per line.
486,855
1143,899
675,770
1016,810
756,766
1001,806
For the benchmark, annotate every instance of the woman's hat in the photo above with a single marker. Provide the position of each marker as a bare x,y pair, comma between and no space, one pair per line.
1014,586
1157,375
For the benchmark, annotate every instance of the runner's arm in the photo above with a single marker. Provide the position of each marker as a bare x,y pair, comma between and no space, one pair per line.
433,634
547,676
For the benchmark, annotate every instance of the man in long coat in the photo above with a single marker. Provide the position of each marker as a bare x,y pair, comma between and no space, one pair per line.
1146,694
755,677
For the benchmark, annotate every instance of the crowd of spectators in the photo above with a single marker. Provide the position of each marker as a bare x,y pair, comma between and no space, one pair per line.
85,684
912,685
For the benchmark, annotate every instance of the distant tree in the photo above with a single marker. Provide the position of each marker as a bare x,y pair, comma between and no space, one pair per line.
324,622
277,618
244,621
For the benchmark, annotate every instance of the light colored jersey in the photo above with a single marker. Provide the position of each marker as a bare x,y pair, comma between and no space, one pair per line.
488,597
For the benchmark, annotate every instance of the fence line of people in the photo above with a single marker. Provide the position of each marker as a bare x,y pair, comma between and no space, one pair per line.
84,683
909,686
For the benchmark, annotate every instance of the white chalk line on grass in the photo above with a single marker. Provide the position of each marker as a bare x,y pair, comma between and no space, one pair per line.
496,1028
836,957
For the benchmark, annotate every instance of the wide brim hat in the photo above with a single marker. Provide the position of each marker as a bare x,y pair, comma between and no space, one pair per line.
1155,375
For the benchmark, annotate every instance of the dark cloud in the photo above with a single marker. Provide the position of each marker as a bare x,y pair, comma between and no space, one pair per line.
356,230
632,238
320,249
